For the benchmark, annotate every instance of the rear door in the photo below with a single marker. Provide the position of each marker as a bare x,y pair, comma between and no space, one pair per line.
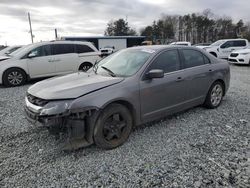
40,64
197,71
86,54
65,58
162,96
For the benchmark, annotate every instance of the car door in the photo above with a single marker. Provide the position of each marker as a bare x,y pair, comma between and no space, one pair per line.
39,62
230,46
225,49
161,96
86,53
64,58
197,70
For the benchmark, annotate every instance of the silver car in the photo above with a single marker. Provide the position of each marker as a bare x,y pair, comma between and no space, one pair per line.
128,88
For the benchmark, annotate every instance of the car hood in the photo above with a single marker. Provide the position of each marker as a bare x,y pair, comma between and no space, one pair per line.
71,86
242,51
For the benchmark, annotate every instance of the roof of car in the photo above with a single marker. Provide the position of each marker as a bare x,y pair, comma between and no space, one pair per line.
161,47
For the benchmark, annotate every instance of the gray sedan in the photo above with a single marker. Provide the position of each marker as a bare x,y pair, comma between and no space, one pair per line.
131,87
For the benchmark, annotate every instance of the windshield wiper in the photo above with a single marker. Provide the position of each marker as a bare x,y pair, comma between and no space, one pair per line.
109,71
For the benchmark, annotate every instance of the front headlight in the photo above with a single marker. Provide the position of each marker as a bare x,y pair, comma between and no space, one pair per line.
55,108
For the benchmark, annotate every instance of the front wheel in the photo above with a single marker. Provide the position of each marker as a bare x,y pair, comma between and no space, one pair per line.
85,67
14,77
214,96
113,127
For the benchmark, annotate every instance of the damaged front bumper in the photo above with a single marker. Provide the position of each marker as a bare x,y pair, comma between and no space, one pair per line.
58,117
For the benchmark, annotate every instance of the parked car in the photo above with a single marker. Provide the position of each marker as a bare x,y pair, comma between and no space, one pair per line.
9,50
223,48
2,47
181,43
128,88
202,45
147,42
47,59
240,57
107,50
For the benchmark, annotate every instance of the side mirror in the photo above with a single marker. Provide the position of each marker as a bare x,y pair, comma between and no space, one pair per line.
155,73
32,54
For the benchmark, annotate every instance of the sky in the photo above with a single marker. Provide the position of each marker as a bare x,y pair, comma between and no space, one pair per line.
90,17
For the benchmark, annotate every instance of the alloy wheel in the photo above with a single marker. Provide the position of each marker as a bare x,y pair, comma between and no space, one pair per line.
15,78
216,95
114,127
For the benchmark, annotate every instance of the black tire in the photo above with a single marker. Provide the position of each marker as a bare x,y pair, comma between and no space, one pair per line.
214,54
14,77
215,95
113,126
85,66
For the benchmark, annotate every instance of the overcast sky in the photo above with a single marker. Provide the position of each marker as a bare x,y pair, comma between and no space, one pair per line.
90,17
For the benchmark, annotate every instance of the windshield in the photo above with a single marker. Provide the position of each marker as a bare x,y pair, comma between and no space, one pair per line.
217,43
19,50
124,63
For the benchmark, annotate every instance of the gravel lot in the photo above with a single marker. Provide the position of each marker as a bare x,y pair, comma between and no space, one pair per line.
196,148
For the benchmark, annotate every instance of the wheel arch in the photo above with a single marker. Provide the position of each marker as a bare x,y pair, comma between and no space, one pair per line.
127,104
223,85
26,74
214,54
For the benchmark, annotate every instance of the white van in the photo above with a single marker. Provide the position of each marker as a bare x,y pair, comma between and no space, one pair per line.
47,59
223,48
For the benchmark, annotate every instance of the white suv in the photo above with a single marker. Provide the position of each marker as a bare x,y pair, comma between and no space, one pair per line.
223,48
47,59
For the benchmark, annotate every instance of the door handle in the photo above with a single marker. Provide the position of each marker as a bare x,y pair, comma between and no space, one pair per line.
179,79
50,60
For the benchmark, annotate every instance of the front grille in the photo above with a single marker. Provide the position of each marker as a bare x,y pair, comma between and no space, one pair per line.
104,51
36,101
233,60
234,55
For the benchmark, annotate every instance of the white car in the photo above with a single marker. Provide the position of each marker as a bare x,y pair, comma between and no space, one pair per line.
107,50
240,57
46,59
9,50
181,43
223,48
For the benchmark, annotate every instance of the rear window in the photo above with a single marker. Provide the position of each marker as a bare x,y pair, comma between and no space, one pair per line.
62,49
83,49
193,58
240,43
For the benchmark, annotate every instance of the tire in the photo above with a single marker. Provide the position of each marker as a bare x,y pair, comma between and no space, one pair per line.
85,66
214,54
113,127
214,95
14,77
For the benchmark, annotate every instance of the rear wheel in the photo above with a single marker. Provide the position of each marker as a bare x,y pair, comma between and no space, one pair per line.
113,126
85,66
214,96
14,77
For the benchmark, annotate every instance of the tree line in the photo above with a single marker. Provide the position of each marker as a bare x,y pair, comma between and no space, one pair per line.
203,27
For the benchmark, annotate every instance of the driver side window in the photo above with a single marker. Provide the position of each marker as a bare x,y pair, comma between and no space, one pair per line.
167,61
41,51
227,44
